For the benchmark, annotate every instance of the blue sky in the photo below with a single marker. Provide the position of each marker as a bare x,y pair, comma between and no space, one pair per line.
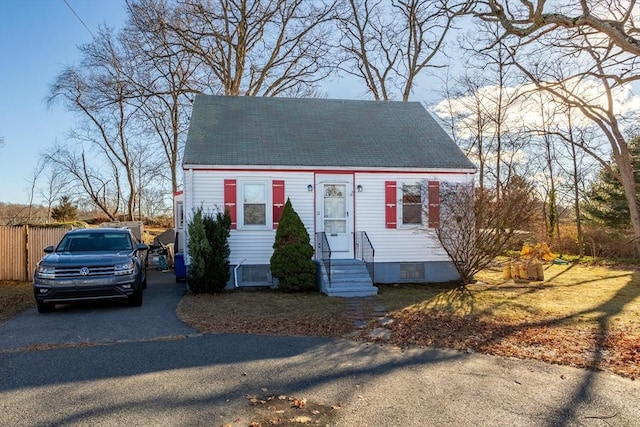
38,38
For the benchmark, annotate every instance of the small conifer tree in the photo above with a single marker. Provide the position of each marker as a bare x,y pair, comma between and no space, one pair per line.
606,203
291,261
217,230
65,210
199,252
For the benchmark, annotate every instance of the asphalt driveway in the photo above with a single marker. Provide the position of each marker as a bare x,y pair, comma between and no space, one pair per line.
142,366
102,322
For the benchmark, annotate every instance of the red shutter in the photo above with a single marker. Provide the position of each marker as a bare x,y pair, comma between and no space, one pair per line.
434,203
278,201
390,204
230,201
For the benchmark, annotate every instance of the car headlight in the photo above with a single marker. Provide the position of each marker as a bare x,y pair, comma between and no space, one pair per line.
122,269
46,272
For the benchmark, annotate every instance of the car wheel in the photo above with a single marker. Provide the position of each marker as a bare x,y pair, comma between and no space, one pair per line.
45,308
135,300
144,282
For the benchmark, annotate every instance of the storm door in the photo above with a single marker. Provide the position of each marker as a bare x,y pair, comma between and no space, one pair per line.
335,218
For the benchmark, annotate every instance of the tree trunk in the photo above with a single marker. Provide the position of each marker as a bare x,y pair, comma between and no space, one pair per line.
628,182
576,194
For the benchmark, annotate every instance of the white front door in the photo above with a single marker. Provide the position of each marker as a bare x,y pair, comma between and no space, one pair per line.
335,214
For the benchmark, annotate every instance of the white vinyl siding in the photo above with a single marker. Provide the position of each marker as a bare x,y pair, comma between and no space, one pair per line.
253,244
407,243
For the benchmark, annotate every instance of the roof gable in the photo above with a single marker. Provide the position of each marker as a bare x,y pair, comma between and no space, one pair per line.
259,131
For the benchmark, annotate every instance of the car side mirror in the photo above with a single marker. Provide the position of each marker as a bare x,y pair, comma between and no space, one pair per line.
142,247
49,249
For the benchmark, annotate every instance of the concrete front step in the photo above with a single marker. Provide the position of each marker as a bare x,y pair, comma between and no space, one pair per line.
350,278
352,292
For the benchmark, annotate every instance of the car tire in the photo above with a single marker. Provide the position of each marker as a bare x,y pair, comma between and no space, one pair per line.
45,308
144,282
135,300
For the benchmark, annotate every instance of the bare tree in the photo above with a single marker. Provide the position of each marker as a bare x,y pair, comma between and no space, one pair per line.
99,184
48,181
98,90
35,176
462,109
256,48
547,113
615,20
388,45
475,227
488,124
165,78
585,43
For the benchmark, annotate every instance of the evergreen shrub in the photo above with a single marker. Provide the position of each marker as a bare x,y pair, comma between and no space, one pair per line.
292,261
209,251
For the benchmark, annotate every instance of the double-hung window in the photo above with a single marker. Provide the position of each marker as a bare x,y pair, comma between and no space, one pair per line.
412,204
407,204
254,203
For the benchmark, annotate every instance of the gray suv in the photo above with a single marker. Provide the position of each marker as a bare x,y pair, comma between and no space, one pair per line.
91,265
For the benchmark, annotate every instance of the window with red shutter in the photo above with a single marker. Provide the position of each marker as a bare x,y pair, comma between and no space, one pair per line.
230,196
278,201
434,203
390,204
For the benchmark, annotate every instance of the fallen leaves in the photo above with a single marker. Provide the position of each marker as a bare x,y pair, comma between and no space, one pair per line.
582,316
553,340
282,410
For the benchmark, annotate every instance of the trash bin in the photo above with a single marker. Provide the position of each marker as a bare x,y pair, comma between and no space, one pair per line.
179,267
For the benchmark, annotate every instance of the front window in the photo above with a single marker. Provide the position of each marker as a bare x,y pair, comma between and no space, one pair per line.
411,204
254,203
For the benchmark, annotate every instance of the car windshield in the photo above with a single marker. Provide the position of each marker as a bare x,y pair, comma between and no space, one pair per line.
86,242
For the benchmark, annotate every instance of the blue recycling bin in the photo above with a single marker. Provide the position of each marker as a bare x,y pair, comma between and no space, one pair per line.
179,267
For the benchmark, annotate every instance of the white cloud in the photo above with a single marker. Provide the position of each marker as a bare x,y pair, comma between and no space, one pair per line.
530,109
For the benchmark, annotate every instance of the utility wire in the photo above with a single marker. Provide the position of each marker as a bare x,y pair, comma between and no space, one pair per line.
79,19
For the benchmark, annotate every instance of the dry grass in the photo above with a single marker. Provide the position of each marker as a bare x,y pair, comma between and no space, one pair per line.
581,316
15,297
587,316
265,312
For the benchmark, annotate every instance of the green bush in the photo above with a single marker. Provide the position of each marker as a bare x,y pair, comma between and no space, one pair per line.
217,230
209,252
291,261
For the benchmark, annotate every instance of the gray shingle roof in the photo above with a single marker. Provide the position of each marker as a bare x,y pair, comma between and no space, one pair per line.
317,132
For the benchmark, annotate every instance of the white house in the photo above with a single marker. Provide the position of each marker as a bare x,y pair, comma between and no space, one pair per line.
363,176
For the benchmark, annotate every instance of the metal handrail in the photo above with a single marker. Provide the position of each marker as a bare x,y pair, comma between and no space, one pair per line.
324,250
367,253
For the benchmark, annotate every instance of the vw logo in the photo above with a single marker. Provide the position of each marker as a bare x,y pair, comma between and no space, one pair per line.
84,271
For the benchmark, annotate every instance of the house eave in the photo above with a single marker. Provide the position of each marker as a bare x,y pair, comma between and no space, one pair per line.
281,168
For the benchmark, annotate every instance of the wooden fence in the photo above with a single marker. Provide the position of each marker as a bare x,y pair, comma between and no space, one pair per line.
21,249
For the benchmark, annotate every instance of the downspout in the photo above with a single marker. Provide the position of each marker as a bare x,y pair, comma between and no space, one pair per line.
235,273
